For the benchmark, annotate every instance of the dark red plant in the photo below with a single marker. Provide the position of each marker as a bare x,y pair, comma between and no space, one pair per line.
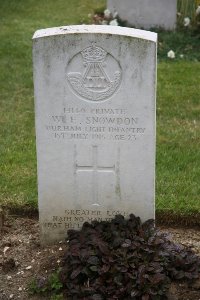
124,259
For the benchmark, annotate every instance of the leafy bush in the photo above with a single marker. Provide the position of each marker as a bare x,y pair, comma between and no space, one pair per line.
124,259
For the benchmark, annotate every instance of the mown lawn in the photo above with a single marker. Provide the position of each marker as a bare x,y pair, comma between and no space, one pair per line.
178,109
178,136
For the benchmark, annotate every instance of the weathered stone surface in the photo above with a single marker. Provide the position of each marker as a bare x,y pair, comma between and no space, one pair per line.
95,125
146,13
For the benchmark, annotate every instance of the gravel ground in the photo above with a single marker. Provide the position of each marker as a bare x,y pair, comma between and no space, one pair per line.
22,258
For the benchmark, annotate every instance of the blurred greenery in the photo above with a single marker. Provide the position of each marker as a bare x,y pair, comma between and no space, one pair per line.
187,9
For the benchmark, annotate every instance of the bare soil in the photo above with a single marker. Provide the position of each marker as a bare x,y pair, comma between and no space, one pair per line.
22,259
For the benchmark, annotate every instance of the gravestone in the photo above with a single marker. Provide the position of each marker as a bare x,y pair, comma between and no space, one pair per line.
146,13
95,125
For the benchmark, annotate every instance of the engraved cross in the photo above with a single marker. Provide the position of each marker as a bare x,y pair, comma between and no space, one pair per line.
95,169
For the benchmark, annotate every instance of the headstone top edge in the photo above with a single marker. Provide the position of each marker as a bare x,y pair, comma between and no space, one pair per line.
101,29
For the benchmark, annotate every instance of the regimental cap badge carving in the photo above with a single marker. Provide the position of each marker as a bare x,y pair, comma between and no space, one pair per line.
94,54
97,81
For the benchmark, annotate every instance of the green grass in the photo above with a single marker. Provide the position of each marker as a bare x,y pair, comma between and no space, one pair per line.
178,137
178,106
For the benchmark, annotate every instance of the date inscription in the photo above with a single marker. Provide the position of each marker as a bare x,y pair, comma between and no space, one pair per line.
95,124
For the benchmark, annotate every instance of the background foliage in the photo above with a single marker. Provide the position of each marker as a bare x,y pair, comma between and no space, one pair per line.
187,8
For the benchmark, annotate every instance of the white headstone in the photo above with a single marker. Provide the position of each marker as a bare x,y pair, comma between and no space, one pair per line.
95,125
146,13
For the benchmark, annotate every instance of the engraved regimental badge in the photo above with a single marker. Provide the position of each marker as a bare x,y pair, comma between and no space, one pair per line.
94,74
